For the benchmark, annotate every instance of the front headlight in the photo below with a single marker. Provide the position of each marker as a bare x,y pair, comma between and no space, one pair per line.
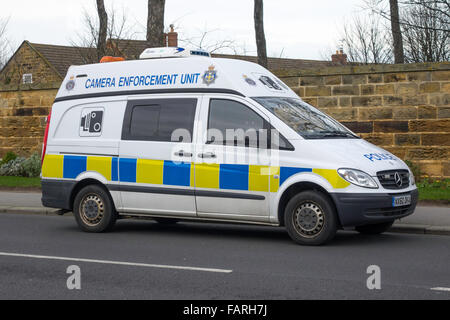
358,178
412,180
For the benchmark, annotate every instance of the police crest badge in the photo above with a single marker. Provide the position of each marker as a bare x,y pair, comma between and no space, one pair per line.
70,84
210,75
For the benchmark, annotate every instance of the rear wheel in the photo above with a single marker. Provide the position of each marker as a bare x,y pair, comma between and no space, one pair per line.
94,210
310,218
374,228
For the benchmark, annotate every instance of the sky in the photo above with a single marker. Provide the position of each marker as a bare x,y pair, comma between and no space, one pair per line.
304,29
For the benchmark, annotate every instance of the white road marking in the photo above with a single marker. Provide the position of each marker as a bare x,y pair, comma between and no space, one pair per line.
121,263
440,289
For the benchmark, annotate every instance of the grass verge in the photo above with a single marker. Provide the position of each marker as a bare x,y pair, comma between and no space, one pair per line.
8,182
427,193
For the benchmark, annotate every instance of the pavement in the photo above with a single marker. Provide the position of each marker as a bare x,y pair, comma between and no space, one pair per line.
147,260
425,220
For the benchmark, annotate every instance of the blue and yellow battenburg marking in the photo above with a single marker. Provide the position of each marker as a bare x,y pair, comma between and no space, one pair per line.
164,172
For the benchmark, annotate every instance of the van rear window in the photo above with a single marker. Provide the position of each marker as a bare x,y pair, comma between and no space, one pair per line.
159,120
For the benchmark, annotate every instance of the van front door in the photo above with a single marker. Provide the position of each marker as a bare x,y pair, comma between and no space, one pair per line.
154,166
232,161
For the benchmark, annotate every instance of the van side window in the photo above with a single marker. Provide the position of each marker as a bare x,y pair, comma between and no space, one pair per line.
157,120
233,123
277,141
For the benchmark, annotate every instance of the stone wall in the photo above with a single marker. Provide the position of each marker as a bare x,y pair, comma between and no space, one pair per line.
22,119
405,109
402,108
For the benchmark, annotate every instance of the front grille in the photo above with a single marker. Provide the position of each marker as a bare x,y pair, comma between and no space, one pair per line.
388,179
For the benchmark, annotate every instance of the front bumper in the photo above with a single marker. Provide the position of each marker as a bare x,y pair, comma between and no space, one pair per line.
357,209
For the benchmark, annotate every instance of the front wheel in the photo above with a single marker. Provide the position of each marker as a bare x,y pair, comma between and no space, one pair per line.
310,218
377,228
94,210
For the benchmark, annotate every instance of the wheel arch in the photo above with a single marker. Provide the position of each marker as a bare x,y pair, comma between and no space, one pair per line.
296,188
86,182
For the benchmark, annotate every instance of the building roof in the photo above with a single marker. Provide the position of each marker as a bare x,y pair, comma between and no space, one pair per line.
62,57
131,49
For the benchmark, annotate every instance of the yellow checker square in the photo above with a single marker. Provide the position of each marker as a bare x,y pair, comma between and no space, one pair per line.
53,166
192,175
274,183
333,178
207,175
258,178
149,171
101,165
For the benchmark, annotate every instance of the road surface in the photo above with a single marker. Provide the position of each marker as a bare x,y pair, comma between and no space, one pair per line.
145,260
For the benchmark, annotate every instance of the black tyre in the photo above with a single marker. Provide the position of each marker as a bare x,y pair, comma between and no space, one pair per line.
374,228
166,221
94,210
310,218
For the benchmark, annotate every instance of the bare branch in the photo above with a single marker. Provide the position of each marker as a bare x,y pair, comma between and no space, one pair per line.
4,53
366,40
435,6
425,27
203,41
87,39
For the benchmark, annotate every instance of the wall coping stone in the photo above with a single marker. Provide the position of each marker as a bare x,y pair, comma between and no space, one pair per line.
364,69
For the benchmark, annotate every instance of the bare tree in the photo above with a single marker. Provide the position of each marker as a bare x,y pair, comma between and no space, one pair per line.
155,23
87,39
366,40
439,9
396,32
4,52
215,44
258,15
427,41
103,29
425,25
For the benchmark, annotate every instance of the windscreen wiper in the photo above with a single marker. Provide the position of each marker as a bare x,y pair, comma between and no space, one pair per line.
337,133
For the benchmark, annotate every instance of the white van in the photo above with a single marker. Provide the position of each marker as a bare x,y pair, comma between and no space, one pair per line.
179,135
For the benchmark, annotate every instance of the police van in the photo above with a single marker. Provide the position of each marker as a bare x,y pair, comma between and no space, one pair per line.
178,135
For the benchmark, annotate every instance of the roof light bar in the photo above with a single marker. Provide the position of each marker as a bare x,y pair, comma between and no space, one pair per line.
171,52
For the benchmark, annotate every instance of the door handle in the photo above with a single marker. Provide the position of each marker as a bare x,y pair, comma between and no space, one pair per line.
207,155
183,153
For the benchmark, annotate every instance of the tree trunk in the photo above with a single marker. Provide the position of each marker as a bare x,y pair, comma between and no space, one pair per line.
103,29
396,32
155,24
259,33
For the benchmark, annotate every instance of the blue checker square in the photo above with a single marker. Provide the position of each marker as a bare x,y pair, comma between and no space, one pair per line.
177,173
286,172
127,169
73,166
233,176
114,169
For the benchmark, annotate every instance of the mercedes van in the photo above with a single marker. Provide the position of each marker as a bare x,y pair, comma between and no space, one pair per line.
178,135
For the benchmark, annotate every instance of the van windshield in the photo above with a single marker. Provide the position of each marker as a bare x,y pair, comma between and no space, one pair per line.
306,120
